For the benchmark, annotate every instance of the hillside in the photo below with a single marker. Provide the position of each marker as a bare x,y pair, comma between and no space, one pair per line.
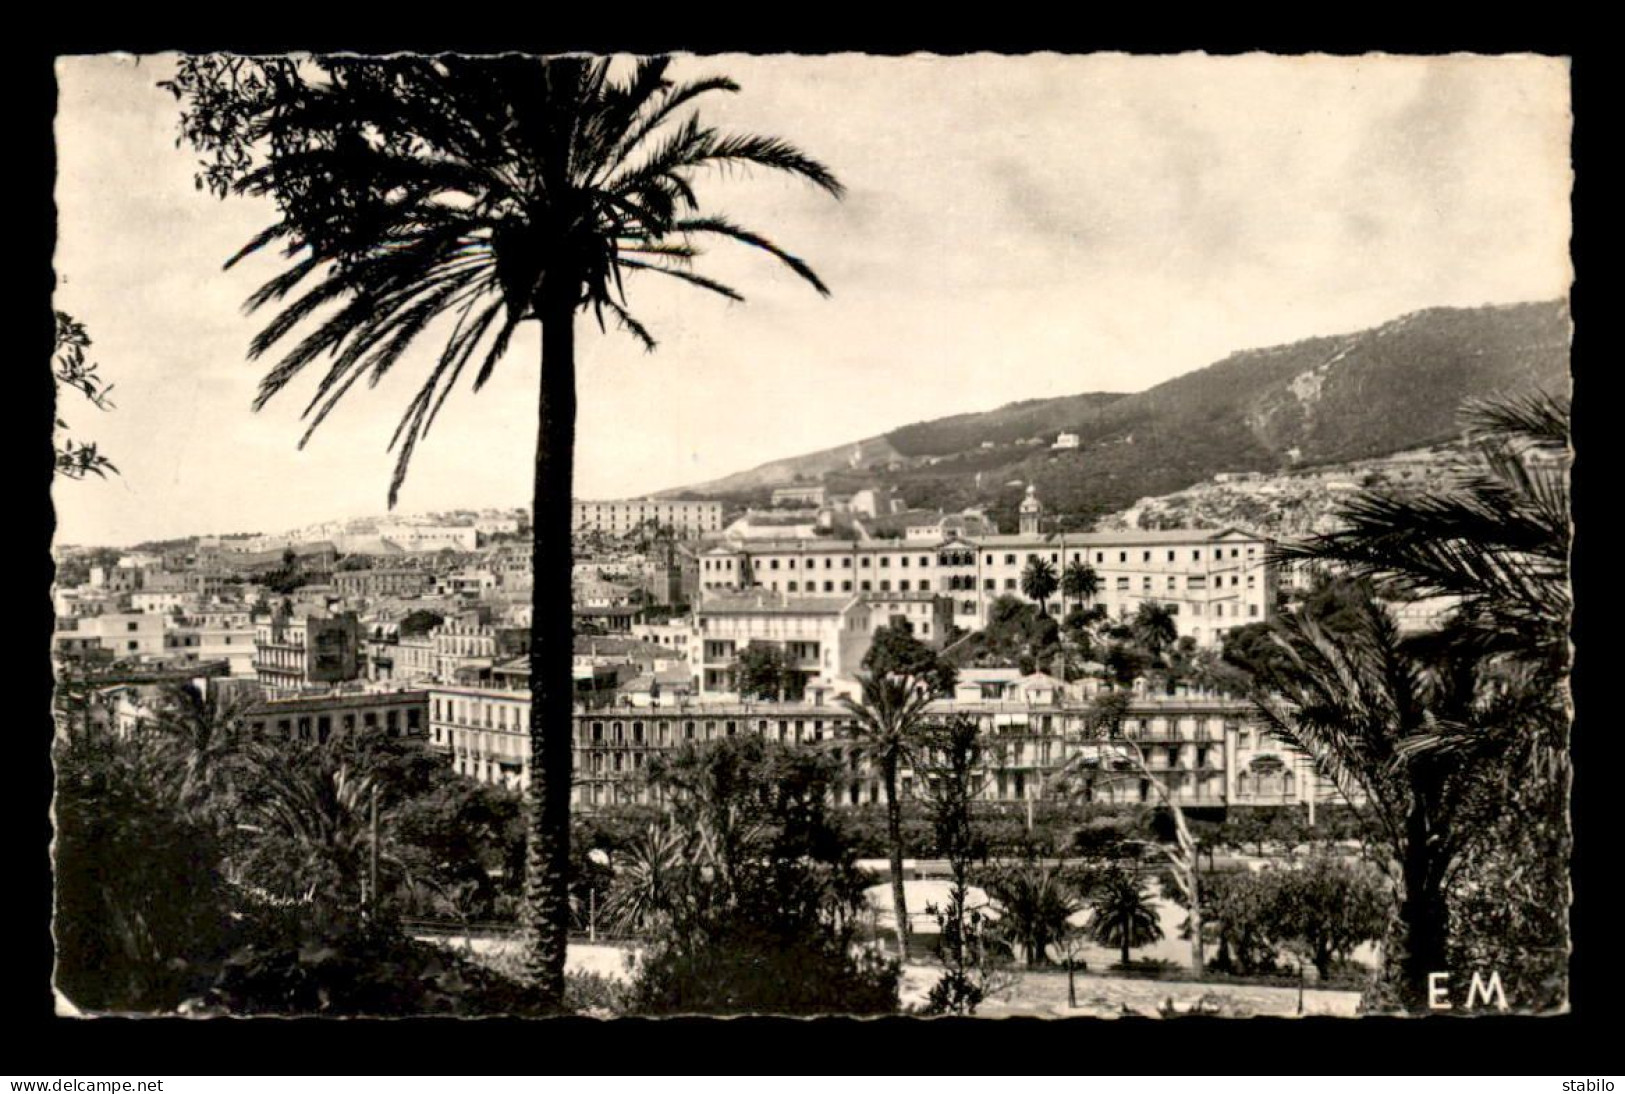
1289,504
1323,400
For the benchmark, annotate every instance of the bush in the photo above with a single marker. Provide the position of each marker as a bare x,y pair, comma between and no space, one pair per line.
370,970
746,969
593,994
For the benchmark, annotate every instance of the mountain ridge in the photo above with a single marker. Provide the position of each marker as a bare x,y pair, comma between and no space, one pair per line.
1325,399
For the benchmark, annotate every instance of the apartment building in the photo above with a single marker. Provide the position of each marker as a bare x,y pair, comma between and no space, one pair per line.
126,635
373,584
403,659
215,636
160,602
685,518
294,653
1204,752
675,636
824,637
475,643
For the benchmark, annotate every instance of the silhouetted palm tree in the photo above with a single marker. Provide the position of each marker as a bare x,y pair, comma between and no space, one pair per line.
1450,732
1494,535
485,192
890,719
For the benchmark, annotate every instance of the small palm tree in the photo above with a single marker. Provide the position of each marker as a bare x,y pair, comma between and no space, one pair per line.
1035,902
649,880
1079,581
890,721
1124,914
1154,628
1038,581
311,809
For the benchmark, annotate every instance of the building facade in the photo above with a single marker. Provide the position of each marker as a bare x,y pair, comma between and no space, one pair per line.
292,654
1211,580
823,637
319,718
617,518
1204,752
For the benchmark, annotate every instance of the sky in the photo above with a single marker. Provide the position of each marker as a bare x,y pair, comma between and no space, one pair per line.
1014,228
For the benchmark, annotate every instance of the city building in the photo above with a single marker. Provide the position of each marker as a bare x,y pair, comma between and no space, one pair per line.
372,584
1210,579
823,637
617,518
128,636
799,495
430,537
676,636
296,653
1205,752
321,717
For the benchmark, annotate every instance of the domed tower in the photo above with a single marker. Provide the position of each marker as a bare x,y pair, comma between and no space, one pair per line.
1030,509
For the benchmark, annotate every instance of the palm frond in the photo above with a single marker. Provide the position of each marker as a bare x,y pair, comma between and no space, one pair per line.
719,226
683,275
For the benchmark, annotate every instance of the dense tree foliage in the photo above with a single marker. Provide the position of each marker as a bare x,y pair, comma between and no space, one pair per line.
895,651
763,670
754,893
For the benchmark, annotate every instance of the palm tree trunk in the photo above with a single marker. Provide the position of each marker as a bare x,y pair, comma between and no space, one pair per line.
1198,959
547,844
1422,913
894,834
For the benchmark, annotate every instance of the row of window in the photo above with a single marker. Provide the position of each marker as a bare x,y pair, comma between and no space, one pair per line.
968,558
320,727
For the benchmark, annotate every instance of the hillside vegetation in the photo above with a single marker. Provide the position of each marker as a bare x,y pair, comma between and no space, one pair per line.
1320,401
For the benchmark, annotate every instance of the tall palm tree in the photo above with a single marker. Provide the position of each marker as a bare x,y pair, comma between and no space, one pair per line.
1475,714
1362,707
485,192
1124,915
890,721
